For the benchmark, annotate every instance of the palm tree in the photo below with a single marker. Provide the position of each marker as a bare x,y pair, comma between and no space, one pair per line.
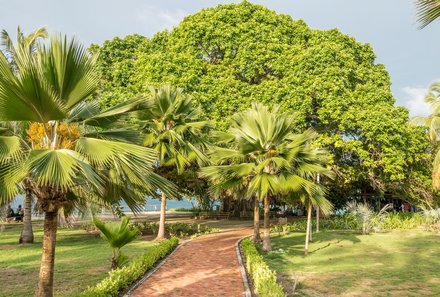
117,237
312,198
432,124
51,88
174,130
267,156
28,43
427,11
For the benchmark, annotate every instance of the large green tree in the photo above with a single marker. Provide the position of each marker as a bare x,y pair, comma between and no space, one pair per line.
50,88
232,55
269,158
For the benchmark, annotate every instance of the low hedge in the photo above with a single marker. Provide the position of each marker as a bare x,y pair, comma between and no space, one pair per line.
121,278
264,279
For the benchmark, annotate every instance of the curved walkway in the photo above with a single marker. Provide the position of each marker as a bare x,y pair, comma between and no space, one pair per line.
206,266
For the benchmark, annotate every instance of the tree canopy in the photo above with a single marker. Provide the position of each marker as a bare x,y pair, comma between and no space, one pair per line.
232,55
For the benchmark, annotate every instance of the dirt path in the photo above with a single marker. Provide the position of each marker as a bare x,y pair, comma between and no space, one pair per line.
206,266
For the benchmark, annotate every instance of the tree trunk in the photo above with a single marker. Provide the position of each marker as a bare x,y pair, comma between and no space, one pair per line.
45,280
27,234
308,228
317,219
257,237
163,208
266,237
114,263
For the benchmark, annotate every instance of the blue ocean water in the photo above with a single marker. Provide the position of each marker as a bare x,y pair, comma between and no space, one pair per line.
151,205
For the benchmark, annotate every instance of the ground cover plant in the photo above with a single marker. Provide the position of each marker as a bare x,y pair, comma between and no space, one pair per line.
121,278
397,263
82,260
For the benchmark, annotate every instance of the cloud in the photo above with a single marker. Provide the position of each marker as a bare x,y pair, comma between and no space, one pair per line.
414,101
158,19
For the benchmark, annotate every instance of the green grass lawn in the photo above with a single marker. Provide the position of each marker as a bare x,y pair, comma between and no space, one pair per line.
399,263
81,260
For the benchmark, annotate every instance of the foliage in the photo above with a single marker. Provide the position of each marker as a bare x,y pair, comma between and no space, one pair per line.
232,55
52,86
366,215
432,124
404,220
173,128
264,279
427,11
183,209
117,236
432,215
349,221
335,222
264,157
120,279
174,229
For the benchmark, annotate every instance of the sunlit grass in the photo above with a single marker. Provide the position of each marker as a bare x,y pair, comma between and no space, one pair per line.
400,263
81,260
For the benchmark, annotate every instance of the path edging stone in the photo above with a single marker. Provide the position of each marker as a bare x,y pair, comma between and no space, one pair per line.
248,292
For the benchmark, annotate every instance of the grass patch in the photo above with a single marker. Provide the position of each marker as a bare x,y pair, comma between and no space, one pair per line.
81,260
398,263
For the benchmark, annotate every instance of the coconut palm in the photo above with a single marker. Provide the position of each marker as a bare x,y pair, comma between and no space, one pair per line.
311,198
117,236
427,11
173,128
432,124
28,43
50,88
267,156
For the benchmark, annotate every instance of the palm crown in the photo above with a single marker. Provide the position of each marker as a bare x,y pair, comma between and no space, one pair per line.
50,88
266,155
173,128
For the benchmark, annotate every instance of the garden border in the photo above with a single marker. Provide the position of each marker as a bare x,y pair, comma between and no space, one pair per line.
244,278
136,284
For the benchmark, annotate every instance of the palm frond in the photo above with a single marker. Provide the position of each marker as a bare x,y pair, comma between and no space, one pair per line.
427,11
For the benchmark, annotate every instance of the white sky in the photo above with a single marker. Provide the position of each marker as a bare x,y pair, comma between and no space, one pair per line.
410,55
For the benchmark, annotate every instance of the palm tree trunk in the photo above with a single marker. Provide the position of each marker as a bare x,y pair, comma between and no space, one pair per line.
114,263
45,280
309,221
163,206
257,237
27,234
266,237
317,219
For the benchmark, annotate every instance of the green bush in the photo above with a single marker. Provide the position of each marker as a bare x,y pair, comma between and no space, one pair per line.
174,229
120,279
389,221
264,279
406,220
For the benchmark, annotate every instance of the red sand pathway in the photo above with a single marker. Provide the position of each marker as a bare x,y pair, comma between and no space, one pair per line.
206,266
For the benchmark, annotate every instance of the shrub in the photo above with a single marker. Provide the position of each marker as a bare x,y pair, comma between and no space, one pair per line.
117,236
406,220
119,279
264,279
367,217
174,229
